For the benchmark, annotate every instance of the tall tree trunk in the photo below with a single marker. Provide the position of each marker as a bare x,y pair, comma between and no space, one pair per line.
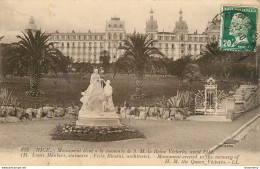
34,83
138,85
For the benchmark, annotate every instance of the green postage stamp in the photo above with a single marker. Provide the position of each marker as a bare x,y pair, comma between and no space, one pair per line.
238,28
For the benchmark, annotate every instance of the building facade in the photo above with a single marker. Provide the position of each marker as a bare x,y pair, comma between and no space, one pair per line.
86,47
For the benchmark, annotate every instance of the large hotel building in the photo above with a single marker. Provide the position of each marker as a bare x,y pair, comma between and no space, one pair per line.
86,47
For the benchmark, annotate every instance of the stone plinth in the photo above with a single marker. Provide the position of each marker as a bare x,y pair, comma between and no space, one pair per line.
102,119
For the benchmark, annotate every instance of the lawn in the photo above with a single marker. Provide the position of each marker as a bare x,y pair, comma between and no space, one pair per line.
66,90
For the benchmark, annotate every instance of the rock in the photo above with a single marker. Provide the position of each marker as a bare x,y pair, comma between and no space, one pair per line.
70,110
39,113
166,114
2,120
179,116
3,111
50,114
69,116
10,111
142,115
152,112
47,109
12,120
19,112
172,111
29,111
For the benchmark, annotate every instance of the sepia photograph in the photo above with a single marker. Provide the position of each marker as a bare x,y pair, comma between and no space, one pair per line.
129,83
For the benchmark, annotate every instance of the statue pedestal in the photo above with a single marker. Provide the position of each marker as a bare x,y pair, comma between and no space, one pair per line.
103,119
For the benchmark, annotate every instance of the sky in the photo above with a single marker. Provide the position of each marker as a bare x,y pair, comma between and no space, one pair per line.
84,15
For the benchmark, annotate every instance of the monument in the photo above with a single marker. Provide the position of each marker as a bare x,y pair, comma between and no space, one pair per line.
98,108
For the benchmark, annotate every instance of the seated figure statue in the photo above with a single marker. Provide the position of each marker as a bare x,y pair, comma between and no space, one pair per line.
92,98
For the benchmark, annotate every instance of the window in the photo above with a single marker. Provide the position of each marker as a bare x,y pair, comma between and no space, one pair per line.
172,46
172,38
85,37
57,37
84,44
109,44
115,25
114,36
90,37
101,37
166,45
109,36
101,44
109,25
120,36
62,44
120,44
79,44
95,36
74,37
182,37
63,37
195,46
89,44
95,44
68,37
73,45
79,37
182,45
160,45
114,56
68,45
189,46
166,38
182,51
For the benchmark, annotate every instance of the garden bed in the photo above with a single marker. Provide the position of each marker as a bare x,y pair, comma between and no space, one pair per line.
95,134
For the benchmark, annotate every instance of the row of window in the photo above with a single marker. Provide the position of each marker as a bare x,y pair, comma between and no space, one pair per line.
84,44
77,37
114,36
182,45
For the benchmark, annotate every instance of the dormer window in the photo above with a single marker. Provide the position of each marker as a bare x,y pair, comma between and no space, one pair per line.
109,25
120,25
115,25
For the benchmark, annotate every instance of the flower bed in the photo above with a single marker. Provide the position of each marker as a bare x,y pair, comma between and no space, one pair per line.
95,134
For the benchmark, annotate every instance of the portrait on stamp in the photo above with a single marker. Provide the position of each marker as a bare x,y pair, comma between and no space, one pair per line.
238,28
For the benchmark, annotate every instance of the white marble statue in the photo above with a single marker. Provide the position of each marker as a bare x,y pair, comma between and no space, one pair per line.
93,97
108,101
98,108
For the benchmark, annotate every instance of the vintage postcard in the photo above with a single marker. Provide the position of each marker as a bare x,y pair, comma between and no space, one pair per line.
129,83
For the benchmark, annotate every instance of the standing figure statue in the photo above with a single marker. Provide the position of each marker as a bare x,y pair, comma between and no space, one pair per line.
108,101
93,97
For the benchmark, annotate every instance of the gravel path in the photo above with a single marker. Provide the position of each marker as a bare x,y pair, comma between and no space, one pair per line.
178,135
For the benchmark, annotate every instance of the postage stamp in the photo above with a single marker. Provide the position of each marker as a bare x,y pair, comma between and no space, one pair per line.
238,28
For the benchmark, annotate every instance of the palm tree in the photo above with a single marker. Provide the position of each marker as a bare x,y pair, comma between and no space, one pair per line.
138,50
35,54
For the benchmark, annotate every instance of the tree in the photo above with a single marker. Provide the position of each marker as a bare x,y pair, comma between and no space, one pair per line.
138,49
177,67
35,54
105,60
